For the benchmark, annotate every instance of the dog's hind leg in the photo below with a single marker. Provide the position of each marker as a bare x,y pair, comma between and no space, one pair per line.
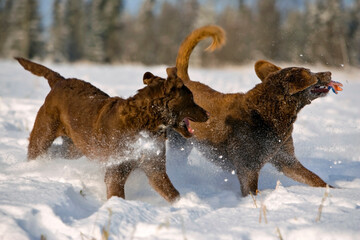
115,178
42,135
286,162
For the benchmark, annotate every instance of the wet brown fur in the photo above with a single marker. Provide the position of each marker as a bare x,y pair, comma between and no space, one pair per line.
247,130
106,128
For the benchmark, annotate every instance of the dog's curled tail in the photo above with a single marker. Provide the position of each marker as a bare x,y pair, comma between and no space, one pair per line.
40,70
182,61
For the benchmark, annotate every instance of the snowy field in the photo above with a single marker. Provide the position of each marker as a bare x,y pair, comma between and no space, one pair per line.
65,199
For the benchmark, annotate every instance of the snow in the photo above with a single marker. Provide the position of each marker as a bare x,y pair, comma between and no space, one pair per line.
65,199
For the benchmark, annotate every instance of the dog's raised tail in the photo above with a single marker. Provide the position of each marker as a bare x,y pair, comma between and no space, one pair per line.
40,70
182,61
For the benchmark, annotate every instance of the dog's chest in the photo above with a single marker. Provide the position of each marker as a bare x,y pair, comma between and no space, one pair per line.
255,143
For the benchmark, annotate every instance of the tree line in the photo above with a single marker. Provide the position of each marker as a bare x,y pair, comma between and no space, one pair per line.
321,31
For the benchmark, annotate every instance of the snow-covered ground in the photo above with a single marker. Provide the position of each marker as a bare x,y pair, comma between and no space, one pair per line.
65,199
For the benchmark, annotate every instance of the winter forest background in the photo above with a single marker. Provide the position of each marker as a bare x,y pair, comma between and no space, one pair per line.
105,31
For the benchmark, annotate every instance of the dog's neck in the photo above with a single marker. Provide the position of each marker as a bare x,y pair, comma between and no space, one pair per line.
277,110
148,113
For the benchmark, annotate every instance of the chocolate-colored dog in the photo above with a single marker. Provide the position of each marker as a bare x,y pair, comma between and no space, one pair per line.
247,130
126,133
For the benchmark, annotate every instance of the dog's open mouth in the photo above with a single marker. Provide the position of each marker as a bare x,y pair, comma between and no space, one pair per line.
325,88
183,125
320,89
186,125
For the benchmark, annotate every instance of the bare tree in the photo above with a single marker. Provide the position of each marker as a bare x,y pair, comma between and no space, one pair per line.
146,34
267,28
57,42
325,31
23,31
326,37
238,24
353,33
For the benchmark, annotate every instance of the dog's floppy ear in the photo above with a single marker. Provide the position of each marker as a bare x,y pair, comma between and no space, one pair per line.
147,79
173,81
299,79
264,68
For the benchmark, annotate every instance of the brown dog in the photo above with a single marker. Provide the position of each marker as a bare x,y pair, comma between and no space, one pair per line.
126,133
245,131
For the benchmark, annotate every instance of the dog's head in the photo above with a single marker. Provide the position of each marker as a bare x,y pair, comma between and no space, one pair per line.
178,102
298,82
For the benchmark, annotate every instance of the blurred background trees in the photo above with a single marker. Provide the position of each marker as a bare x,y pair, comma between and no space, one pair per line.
313,31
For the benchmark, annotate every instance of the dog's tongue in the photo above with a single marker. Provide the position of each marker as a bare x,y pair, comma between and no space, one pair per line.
335,86
187,123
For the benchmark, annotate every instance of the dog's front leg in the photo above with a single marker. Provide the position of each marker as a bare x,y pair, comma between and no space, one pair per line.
115,178
160,181
286,162
301,174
